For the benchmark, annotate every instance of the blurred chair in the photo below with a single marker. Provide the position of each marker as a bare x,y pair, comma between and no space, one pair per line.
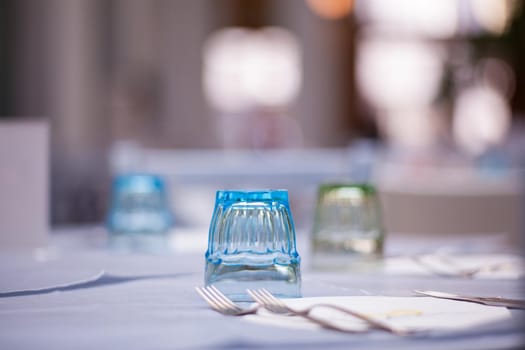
195,175
451,204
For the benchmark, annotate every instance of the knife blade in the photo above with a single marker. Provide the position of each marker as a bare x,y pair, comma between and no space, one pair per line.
492,301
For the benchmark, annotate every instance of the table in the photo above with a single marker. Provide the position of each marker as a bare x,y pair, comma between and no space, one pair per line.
148,302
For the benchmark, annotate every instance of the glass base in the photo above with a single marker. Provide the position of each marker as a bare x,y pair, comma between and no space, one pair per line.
349,244
283,281
345,261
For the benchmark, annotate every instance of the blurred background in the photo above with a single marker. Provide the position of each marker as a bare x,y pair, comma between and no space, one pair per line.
426,99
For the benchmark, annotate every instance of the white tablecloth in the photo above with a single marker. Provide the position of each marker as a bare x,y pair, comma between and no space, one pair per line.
140,301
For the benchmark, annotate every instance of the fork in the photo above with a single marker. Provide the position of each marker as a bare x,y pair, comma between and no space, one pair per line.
264,298
222,304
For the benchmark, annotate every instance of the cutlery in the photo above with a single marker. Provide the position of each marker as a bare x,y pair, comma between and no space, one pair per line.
453,271
447,267
264,298
222,304
492,301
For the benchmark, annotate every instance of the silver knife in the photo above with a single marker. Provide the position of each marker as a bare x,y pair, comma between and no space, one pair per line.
492,301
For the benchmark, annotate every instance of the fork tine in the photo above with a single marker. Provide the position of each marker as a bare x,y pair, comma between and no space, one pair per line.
222,298
255,295
209,299
269,303
204,296
221,303
272,298
215,302
264,297
259,297
219,299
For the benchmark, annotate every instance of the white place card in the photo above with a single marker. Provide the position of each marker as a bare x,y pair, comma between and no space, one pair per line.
24,183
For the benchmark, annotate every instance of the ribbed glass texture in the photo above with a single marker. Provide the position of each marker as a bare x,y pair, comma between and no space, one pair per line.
252,244
347,222
139,215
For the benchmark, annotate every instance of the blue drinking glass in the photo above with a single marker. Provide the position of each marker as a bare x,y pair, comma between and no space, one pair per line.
139,217
251,244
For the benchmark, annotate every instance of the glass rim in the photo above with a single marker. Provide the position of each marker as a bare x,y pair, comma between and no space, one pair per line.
252,195
138,182
365,188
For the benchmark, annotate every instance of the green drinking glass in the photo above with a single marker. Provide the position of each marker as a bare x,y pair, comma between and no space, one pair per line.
347,225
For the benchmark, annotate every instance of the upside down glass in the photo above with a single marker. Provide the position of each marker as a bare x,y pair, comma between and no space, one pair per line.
139,217
252,244
348,226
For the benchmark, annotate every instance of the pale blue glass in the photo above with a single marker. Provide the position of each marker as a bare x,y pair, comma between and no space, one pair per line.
139,217
252,244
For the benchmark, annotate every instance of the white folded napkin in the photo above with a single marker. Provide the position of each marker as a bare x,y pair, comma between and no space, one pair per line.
407,313
479,266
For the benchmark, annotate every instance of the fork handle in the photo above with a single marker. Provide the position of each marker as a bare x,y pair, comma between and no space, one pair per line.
323,323
375,323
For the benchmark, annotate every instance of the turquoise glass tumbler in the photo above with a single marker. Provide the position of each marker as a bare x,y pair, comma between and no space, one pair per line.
252,244
139,217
